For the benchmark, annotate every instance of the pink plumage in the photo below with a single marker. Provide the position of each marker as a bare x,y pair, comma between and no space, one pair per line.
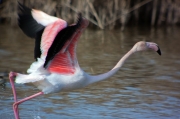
49,34
65,62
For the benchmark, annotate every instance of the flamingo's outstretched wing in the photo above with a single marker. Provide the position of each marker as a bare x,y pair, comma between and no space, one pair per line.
61,56
34,22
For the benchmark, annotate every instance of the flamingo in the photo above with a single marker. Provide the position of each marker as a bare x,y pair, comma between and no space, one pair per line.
56,67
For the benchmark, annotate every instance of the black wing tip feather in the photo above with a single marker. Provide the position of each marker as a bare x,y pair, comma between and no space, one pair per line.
23,13
37,50
23,9
79,19
30,27
26,21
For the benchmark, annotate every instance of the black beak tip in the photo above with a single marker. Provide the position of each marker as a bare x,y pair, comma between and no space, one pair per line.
159,51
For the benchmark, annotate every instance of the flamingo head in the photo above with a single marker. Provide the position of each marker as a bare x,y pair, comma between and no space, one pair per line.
142,46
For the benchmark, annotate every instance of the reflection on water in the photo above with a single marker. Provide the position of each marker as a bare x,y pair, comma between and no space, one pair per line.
147,86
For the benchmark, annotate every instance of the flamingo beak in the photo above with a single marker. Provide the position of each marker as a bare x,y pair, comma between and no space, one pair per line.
154,47
158,51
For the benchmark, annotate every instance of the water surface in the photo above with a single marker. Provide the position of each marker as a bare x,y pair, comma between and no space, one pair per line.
147,86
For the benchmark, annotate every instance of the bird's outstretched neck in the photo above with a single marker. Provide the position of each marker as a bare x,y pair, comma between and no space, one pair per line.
110,73
139,46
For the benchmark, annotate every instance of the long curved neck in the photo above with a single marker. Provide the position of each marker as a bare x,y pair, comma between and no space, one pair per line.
93,79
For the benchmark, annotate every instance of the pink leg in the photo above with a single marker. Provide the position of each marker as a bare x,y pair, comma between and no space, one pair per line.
16,103
11,78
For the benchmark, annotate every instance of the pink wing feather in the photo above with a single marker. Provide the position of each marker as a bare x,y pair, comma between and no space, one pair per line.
49,34
65,62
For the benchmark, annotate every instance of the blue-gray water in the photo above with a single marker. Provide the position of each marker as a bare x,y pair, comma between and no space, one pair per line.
147,86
